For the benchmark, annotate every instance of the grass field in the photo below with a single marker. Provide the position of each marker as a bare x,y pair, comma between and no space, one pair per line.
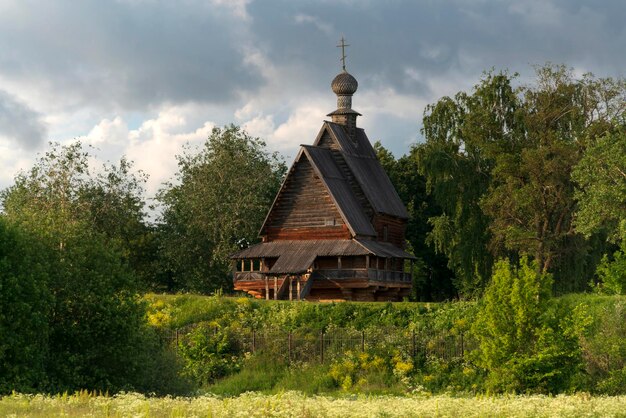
294,404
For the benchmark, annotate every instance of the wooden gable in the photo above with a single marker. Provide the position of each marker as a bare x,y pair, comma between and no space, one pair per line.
304,208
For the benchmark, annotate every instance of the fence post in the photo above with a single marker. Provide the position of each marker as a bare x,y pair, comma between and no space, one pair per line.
363,340
462,346
322,346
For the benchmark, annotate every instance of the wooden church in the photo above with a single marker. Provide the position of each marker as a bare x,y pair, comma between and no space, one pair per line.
336,228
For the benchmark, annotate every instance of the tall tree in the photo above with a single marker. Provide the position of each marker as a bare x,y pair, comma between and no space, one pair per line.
463,135
531,196
217,204
432,279
95,320
499,160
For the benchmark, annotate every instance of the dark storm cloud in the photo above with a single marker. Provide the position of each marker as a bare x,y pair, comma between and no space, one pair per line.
136,53
20,124
128,54
438,37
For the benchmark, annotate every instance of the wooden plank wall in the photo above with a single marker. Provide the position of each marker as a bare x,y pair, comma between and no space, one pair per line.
304,209
396,229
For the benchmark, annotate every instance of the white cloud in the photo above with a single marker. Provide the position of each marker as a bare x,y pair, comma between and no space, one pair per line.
153,146
238,8
324,27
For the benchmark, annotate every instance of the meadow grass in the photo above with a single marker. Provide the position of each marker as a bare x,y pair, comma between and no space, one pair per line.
295,404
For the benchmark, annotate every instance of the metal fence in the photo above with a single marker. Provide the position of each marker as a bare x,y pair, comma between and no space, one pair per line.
321,346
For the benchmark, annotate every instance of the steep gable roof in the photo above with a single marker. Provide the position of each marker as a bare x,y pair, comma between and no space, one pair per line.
338,188
347,203
363,163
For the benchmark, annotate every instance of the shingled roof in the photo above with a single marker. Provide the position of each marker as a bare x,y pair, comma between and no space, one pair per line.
297,256
361,158
366,170
340,190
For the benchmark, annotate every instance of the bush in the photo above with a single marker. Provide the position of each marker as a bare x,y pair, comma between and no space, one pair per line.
612,274
209,353
524,346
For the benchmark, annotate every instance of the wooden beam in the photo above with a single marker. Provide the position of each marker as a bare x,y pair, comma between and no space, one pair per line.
339,263
267,288
290,288
298,286
275,288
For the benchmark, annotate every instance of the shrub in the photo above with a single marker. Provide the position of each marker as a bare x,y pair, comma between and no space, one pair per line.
209,353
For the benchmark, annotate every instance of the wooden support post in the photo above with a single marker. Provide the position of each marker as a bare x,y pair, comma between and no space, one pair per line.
275,288
367,261
267,288
290,288
243,265
298,287
339,263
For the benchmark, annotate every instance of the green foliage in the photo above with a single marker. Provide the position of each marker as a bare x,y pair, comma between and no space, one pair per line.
612,274
95,334
601,175
436,375
523,345
603,343
208,353
369,372
499,161
25,302
217,205
432,278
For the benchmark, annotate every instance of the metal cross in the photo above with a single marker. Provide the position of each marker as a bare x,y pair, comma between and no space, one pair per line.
343,46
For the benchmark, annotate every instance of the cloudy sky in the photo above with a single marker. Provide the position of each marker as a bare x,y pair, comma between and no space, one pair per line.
143,77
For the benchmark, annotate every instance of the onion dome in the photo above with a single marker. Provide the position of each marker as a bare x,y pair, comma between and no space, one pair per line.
344,84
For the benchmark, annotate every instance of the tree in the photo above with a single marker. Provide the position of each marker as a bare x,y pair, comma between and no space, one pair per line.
116,208
24,307
95,321
432,279
463,135
217,205
499,162
601,177
531,198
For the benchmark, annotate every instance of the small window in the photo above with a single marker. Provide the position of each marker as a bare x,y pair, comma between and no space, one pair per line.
385,233
330,222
